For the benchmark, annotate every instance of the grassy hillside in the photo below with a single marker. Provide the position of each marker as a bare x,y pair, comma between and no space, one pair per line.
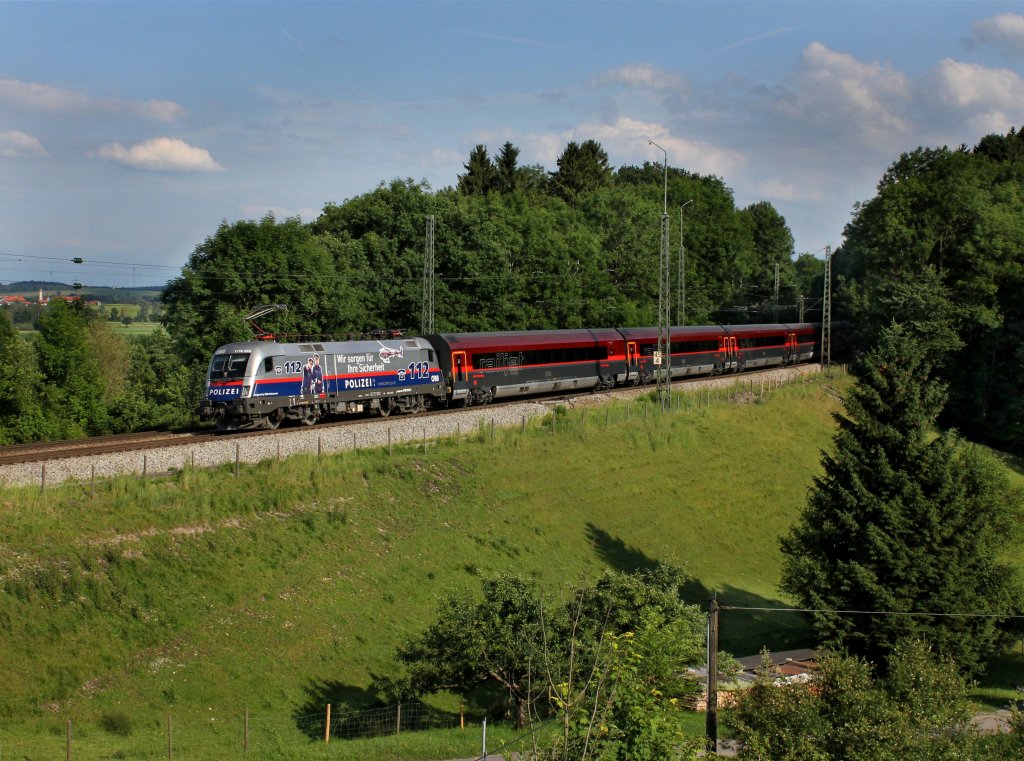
288,587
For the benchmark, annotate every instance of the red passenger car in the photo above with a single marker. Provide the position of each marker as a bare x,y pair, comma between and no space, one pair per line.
479,367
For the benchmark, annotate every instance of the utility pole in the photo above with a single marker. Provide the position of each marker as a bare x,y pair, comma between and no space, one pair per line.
800,302
427,321
681,281
712,714
826,313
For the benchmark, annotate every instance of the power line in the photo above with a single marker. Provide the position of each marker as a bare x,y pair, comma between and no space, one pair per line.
844,612
82,260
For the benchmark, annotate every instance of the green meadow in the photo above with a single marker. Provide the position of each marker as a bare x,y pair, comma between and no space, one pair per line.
196,599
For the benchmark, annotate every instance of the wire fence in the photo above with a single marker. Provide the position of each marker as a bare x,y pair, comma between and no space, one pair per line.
222,735
376,722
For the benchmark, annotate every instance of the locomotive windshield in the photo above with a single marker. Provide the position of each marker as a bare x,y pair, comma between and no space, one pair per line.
229,366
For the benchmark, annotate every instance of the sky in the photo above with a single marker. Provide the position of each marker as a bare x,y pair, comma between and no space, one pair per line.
130,131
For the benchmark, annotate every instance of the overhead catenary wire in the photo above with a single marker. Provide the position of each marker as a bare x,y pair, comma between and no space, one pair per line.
852,612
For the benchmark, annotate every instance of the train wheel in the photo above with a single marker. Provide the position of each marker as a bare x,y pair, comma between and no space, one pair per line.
273,420
385,407
308,415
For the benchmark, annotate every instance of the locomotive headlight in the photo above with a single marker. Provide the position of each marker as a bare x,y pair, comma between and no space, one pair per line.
245,391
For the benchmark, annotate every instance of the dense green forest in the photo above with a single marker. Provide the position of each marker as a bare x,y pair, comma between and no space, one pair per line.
940,247
515,248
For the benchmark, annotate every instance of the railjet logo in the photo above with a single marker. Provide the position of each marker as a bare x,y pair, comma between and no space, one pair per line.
387,353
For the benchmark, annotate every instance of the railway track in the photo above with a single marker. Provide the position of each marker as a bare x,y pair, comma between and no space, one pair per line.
122,442
137,442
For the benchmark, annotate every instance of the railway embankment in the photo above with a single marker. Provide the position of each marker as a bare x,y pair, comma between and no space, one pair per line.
71,463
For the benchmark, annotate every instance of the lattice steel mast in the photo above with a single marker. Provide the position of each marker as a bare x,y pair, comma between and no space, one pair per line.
663,355
826,312
681,281
427,320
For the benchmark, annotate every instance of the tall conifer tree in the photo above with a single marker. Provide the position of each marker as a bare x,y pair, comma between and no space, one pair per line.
481,176
903,521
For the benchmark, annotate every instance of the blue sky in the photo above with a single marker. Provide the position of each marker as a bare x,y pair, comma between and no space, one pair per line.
129,131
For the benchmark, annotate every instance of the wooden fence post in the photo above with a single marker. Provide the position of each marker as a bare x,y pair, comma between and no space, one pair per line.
327,727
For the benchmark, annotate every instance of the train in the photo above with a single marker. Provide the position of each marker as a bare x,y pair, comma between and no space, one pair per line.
263,383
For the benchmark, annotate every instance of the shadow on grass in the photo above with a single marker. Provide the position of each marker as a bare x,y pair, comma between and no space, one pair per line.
1003,680
358,712
618,554
1013,462
311,716
741,632
746,632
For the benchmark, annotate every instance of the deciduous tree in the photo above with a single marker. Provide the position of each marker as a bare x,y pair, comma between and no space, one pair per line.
248,264
917,711
473,642
73,386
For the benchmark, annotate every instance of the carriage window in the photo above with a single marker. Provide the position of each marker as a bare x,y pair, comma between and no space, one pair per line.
686,347
761,341
540,357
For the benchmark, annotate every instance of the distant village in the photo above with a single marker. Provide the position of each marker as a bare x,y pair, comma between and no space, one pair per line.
42,300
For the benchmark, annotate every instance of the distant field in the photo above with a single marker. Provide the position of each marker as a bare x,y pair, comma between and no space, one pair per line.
135,328
287,588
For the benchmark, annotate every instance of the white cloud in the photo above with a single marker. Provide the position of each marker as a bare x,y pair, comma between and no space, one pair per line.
628,136
542,149
1005,30
259,210
51,100
641,75
161,154
158,110
778,189
851,95
444,156
14,144
991,122
972,86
